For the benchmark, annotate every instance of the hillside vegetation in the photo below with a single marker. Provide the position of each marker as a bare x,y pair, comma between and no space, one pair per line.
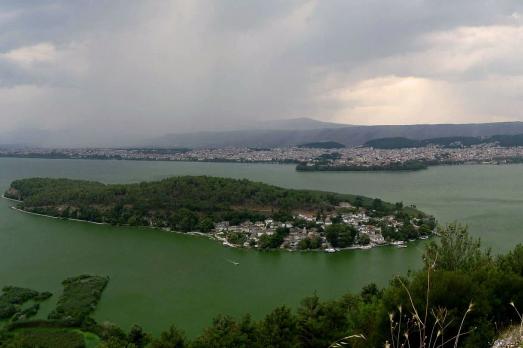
348,135
455,141
323,145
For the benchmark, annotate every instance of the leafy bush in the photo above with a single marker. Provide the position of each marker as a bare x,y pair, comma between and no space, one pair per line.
341,235
310,243
273,241
236,238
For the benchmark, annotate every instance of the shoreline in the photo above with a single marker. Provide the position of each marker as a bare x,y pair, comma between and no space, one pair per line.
152,160
11,199
192,233
58,218
509,161
356,169
224,242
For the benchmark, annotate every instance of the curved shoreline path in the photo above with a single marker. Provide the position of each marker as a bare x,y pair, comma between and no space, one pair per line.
161,278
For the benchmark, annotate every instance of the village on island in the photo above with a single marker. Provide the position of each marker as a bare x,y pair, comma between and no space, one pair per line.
348,227
258,216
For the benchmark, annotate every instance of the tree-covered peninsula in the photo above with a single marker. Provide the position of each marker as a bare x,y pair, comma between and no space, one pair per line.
236,212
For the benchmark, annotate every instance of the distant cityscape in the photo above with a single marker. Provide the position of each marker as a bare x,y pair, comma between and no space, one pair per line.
357,158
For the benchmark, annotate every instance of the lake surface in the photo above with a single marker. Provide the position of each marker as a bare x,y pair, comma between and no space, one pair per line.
159,278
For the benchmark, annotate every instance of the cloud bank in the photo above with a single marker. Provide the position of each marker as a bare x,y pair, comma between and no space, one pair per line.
100,73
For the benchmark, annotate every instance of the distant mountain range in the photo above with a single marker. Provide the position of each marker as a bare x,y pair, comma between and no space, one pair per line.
266,134
303,130
300,123
65,138
79,138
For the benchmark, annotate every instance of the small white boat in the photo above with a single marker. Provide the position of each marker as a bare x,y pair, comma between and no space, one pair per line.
330,250
233,262
424,237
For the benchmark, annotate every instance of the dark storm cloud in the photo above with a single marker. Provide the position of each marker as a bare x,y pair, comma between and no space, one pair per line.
143,68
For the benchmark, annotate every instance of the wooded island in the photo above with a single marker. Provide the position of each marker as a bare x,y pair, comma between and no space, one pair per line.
236,212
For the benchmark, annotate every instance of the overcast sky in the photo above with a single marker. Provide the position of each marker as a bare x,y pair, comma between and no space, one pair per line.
111,69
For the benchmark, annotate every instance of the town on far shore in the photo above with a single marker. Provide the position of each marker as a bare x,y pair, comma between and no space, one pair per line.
320,156
347,227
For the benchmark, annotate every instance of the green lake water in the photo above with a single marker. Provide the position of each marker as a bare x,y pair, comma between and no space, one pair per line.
159,278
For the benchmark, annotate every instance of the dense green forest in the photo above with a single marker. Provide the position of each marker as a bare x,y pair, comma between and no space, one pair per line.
457,141
186,203
463,296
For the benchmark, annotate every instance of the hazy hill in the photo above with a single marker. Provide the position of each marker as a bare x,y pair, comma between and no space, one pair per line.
263,134
300,123
323,145
401,142
346,135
